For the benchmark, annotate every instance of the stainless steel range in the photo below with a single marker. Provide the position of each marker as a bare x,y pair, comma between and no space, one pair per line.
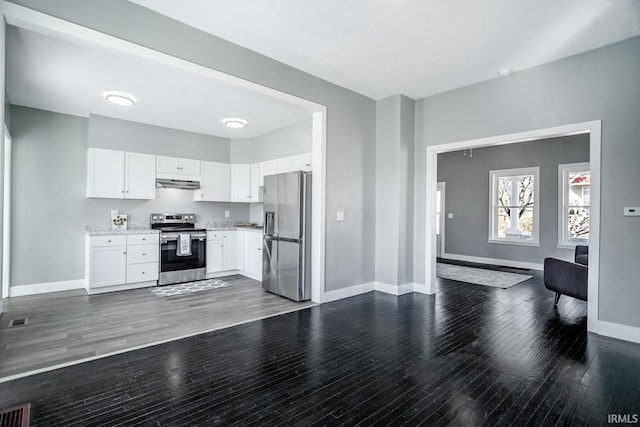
182,248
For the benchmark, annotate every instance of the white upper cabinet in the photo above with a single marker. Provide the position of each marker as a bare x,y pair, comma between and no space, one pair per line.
119,175
241,183
268,168
105,173
215,183
302,162
254,190
176,168
140,176
284,165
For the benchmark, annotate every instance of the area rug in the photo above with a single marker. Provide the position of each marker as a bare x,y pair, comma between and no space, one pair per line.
188,288
479,276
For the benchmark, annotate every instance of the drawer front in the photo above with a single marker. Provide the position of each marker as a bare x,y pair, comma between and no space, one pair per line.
142,272
213,235
143,239
97,241
142,253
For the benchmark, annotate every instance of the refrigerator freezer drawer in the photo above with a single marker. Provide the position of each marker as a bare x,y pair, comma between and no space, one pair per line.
283,270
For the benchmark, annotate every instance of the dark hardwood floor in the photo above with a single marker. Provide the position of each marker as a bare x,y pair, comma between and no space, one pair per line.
472,355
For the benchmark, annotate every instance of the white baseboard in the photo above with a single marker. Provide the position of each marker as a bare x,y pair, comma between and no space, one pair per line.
348,292
252,276
125,287
618,331
223,273
42,288
494,261
421,288
393,289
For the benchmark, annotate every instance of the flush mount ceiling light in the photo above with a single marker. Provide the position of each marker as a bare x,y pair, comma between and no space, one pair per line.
504,72
234,123
120,98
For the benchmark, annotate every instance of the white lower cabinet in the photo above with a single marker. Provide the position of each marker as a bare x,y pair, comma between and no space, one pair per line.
121,261
214,253
107,266
230,246
253,255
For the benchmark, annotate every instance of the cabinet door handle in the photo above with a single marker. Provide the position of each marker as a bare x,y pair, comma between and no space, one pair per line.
127,191
144,253
122,191
124,253
258,249
144,238
109,241
143,272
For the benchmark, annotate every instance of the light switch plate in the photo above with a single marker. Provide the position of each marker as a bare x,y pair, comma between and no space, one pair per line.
450,215
227,214
340,216
632,211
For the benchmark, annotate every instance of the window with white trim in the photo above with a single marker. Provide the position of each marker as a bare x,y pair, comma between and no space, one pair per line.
574,198
514,202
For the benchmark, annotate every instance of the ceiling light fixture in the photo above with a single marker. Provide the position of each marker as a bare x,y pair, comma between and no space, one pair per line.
119,98
234,123
504,72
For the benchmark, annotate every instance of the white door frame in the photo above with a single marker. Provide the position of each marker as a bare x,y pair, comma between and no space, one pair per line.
593,128
32,20
6,218
442,186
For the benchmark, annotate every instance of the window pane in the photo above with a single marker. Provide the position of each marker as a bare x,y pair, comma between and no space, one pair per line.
525,190
504,191
579,188
578,227
503,221
525,221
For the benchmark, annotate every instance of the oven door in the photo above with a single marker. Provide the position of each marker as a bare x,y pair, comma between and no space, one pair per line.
169,261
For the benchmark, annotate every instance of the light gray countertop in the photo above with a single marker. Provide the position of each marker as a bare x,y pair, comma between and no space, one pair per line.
105,230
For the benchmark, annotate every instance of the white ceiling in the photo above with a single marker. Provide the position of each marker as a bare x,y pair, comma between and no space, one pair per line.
413,47
55,75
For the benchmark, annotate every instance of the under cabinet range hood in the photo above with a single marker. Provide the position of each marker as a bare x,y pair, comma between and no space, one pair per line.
181,184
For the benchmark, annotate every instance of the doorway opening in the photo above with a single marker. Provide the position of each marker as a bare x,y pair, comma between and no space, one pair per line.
593,129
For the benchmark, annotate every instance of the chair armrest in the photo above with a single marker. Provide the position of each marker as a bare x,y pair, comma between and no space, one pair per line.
566,278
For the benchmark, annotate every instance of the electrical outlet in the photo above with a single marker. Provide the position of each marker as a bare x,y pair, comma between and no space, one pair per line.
227,214
340,216
450,215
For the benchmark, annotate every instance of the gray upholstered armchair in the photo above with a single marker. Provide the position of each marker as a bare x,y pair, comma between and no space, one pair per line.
568,278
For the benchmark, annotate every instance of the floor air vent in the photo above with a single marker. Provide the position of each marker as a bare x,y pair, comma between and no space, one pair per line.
15,417
17,322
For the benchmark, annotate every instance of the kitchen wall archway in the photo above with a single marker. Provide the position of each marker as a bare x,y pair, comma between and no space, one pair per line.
34,21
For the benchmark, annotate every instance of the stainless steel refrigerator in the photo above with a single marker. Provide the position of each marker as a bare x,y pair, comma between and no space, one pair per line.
286,245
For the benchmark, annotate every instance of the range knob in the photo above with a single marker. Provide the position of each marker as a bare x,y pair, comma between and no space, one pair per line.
154,217
190,216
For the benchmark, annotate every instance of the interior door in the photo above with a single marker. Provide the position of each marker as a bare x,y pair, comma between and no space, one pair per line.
289,217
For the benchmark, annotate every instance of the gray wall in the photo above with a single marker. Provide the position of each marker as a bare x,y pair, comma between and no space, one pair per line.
394,189
350,118
105,132
467,195
49,204
601,84
284,142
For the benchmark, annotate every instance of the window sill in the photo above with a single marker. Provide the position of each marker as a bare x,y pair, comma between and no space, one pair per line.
571,245
515,242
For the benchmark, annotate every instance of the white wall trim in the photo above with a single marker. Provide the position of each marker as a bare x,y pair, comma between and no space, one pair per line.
618,331
43,288
593,128
23,17
351,291
495,261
